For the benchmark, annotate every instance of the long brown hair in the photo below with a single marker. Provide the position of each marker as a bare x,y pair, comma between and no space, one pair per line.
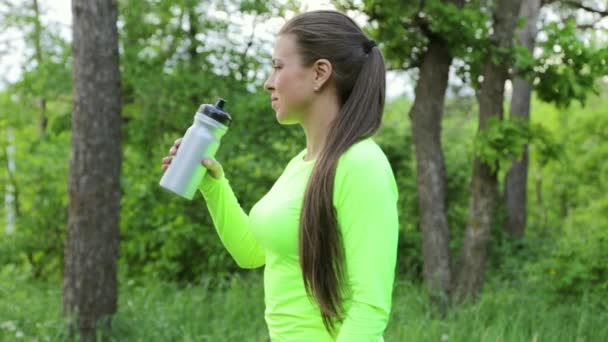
359,75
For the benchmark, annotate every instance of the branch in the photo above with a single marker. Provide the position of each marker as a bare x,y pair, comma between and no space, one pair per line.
580,5
9,40
424,27
348,6
405,67
593,25
175,42
419,23
547,2
243,66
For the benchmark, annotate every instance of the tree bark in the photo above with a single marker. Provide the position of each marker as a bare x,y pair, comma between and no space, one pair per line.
483,197
193,30
11,196
426,114
90,284
42,119
517,177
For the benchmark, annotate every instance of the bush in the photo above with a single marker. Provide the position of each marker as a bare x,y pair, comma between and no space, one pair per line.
574,212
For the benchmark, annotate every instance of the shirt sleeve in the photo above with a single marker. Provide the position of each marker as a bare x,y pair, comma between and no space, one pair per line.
231,222
366,205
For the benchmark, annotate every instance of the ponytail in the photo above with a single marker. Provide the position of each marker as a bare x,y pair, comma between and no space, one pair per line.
360,80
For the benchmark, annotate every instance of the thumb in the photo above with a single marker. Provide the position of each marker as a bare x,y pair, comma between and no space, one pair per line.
214,168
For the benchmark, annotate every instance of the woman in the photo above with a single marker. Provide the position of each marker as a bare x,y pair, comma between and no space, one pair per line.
327,230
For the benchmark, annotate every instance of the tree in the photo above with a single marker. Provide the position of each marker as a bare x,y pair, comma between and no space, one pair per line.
484,182
499,138
479,36
516,179
90,278
168,70
42,118
427,36
36,116
426,114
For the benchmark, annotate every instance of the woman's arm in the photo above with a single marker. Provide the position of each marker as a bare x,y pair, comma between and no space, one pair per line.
366,204
231,222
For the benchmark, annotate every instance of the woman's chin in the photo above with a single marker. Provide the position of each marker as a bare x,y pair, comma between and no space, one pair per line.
285,119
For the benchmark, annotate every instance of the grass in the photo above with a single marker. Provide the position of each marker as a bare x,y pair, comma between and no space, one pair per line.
157,311
501,314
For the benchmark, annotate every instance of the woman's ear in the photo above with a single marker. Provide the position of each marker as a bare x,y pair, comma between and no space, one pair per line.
322,70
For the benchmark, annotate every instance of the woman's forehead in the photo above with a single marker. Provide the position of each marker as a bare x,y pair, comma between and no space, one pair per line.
284,48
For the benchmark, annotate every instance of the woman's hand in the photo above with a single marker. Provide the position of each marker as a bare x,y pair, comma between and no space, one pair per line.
214,168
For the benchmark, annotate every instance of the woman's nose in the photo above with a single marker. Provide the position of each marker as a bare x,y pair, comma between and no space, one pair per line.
269,84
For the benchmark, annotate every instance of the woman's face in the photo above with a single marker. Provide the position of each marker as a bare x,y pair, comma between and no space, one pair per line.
290,84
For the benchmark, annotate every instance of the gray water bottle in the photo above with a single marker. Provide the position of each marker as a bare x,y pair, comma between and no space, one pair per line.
201,140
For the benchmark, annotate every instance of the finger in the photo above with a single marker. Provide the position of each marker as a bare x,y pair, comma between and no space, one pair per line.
173,150
210,164
177,142
167,160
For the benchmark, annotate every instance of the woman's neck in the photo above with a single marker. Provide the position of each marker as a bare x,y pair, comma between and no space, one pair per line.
318,123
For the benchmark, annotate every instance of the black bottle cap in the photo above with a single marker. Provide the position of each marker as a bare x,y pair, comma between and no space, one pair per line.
216,112
220,103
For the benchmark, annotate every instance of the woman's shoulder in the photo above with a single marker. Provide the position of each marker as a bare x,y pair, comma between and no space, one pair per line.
364,153
364,166
364,159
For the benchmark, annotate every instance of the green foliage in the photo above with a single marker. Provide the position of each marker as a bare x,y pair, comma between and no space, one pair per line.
167,72
163,235
255,6
39,180
403,29
457,135
173,58
466,32
394,25
504,139
395,139
565,71
579,261
571,209
568,66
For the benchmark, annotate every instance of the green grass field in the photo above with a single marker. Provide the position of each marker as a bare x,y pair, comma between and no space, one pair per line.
31,311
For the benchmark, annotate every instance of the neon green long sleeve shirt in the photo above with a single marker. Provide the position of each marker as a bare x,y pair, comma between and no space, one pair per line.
365,200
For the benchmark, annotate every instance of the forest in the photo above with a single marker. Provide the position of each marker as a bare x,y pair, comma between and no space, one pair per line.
495,126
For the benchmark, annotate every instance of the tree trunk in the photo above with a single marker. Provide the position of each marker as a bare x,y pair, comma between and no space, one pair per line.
517,177
42,119
195,62
483,197
426,115
11,194
89,289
